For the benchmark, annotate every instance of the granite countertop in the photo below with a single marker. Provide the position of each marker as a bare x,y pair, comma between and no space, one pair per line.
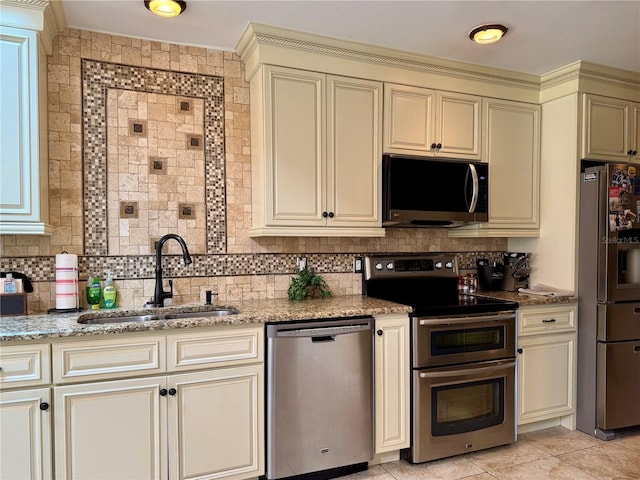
526,300
46,326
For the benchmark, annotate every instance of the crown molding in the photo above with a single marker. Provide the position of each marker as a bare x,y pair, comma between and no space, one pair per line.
258,37
43,16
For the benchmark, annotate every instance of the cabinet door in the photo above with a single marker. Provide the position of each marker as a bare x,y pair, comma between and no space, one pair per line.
216,423
546,380
25,434
354,152
408,119
295,119
605,134
635,137
392,382
458,125
114,430
24,178
513,153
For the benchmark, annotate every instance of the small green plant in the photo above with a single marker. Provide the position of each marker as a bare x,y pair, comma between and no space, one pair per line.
307,284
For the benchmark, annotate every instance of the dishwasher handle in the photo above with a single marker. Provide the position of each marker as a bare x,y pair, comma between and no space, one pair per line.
323,333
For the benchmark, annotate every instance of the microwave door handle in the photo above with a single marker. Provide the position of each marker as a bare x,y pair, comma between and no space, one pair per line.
476,188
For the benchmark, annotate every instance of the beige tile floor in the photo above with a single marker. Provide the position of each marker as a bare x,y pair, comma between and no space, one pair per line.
555,454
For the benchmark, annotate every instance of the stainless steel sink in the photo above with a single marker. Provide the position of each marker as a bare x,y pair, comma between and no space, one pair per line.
211,313
219,312
123,319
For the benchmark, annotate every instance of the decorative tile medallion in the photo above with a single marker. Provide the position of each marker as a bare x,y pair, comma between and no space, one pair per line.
137,128
186,211
128,209
157,165
97,78
194,142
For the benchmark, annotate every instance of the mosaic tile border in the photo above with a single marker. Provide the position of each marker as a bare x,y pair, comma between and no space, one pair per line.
97,77
42,269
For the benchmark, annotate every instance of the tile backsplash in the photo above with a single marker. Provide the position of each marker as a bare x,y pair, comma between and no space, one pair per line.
110,98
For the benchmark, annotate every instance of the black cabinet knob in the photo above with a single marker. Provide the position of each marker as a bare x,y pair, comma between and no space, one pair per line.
44,406
163,392
439,146
519,350
331,215
379,332
634,153
433,145
325,214
172,391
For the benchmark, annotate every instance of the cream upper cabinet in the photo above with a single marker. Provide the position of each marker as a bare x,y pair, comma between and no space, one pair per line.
392,378
547,353
316,154
24,171
635,134
419,121
512,148
610,129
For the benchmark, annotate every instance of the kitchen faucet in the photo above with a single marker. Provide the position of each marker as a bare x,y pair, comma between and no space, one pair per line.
159,292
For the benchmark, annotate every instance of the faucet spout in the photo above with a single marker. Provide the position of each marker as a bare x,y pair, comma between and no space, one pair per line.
159,293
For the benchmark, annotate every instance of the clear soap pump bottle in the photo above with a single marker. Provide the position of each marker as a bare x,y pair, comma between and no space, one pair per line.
109,293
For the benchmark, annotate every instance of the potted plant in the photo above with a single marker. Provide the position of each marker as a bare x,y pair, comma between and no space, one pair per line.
307,284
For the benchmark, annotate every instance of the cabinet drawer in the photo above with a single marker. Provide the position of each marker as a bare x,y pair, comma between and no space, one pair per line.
105,359
543,319
215,348
25,366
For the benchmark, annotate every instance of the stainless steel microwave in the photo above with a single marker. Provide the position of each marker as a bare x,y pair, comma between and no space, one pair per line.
422,192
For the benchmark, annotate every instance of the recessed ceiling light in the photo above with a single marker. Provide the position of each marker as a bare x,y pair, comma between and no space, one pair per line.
488,33
166,8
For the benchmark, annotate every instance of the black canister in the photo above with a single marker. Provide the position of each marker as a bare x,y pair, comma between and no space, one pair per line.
490,274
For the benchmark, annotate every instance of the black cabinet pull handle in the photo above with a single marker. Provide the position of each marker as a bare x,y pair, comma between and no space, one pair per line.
172,391
519,350
325,214
163,392
379,332
44,406
549,320
331,215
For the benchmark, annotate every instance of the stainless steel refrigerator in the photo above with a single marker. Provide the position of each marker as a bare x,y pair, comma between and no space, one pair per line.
609,300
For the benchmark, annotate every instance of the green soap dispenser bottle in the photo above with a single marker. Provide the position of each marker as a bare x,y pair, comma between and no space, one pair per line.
109,293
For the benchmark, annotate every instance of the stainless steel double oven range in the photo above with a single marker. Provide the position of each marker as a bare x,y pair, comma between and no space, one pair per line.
463,356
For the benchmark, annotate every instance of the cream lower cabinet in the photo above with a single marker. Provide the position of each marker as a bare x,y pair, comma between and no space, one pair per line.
316,154
202,424
547,364
419,121
512,149
25,434
610,129
197,425
25,412
392,378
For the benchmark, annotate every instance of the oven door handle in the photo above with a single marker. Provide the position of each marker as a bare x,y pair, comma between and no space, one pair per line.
460,372
473,319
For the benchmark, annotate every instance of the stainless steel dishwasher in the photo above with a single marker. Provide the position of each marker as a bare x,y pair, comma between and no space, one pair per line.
319,398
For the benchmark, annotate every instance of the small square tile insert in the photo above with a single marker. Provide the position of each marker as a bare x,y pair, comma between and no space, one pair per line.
158,165
184,105
186,211
128,209
194,142
137,128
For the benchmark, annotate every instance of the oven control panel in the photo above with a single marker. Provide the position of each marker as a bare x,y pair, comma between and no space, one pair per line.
439,265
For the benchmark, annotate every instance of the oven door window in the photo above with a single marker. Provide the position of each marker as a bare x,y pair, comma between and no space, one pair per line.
452,341
467,406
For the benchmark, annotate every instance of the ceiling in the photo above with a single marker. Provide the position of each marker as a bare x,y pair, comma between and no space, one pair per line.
543,35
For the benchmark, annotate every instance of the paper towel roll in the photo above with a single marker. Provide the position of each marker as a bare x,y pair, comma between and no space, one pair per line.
66,281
